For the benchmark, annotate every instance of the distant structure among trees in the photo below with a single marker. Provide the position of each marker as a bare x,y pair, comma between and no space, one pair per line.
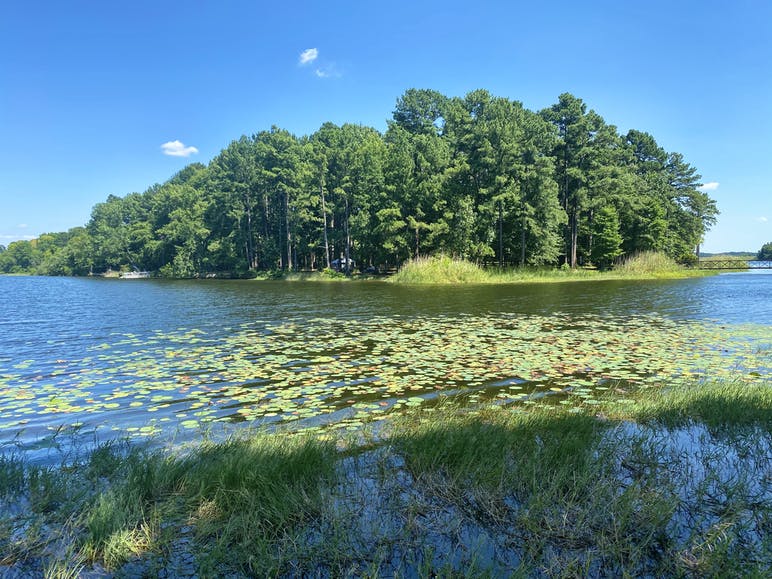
478,177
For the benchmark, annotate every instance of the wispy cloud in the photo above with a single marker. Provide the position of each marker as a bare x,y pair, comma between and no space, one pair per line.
178,149
328,71
5,236
308,56
22,226
762,219
712,186
322,68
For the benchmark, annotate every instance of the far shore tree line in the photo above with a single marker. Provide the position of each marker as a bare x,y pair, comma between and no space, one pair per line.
478,177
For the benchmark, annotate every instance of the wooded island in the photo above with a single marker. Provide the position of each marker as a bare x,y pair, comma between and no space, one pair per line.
478,177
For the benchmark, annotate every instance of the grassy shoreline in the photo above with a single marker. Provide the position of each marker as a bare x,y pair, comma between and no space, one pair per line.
674,482
445,270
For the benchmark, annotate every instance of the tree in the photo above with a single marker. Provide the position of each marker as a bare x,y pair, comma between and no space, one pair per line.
694,211
607,244
479,177
421,111
765,253
575,151
186,233
20,257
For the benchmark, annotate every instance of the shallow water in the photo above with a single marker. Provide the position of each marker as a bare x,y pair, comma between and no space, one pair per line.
172,358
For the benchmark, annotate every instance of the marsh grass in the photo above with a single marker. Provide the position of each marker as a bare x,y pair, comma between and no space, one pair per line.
688,491
443,269
723,404
674,482
440,269
647,263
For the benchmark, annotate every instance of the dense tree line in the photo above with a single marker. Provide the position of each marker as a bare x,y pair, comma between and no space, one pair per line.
478,177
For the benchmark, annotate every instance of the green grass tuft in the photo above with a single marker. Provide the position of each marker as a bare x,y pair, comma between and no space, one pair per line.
648,263
446,270
669,482
440,269
720,404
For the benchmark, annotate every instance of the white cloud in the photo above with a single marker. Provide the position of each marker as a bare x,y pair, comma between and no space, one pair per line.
178,149
329,71
762,219
308,56
712,186
22,226
17,237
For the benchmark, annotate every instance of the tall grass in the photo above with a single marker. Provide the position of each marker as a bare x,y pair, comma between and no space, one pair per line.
717,405
242,494
654,485
441,269
577,494
649,263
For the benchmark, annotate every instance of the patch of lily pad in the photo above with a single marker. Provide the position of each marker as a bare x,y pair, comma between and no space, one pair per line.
333,373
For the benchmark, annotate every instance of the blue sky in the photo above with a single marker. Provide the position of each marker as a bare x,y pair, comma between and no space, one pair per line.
91,90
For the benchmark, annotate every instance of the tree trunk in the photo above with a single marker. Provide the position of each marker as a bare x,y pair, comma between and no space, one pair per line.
501,237
522,239
249,247
324,219
289,233
574,235
348,241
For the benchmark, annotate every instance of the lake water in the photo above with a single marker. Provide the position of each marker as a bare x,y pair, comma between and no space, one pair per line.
171,359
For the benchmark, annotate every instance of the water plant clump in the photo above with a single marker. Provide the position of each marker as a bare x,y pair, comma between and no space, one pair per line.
440,269
634,486
650,263
443,269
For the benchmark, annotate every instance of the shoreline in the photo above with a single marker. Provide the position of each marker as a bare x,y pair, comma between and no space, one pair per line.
506,278
661,485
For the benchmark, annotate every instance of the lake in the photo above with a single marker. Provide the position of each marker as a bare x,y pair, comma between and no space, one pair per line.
173,359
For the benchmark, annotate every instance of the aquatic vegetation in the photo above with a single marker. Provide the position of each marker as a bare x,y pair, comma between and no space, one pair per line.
333,372
647,263
585,495
446,270
465,490
440,269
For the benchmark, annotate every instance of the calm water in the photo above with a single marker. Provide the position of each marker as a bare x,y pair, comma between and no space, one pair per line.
160,357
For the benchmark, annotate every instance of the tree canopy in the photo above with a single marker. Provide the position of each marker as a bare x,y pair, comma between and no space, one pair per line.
765,252
479,177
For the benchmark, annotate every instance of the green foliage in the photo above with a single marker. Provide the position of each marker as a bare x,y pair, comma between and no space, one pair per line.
478,176
765,252
607,241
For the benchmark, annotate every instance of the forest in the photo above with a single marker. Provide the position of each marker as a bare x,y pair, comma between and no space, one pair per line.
477,177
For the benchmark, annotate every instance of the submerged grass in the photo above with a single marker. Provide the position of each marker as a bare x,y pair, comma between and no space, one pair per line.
672,482
716,405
